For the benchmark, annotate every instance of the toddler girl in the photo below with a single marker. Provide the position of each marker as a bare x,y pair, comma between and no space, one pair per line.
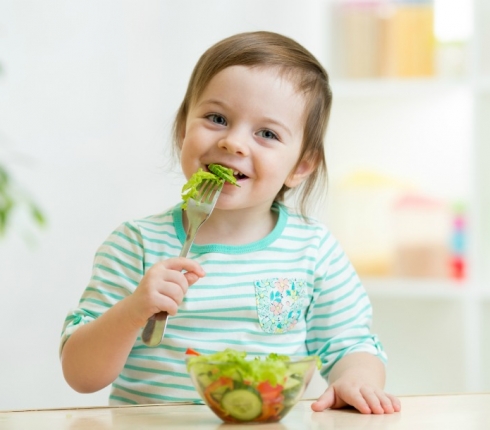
260,276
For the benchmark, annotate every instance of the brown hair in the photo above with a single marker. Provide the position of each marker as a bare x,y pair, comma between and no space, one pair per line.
268,49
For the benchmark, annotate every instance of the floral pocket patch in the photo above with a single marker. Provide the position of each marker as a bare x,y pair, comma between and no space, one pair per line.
280,302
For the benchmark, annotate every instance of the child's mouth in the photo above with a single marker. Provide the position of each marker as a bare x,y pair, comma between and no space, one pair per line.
236,173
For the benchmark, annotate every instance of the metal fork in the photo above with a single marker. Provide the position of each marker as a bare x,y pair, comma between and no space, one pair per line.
198,210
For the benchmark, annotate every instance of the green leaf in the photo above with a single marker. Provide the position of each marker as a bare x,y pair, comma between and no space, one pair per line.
37,215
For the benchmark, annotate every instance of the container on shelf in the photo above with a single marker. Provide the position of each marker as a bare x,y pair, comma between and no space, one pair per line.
360,217
421,228
379,38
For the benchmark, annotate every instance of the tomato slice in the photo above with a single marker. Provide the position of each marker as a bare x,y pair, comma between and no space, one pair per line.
191,351
269,392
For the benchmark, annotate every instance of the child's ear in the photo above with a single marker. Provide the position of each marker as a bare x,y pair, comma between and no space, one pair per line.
300,173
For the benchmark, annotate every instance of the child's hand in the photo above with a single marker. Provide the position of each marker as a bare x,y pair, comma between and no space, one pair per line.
163,288
366,398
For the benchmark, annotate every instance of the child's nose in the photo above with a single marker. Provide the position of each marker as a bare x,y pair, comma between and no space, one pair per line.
234,143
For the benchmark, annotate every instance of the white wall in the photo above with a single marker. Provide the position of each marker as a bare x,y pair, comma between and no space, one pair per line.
86,105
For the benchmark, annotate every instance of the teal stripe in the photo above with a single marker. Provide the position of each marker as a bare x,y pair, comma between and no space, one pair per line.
116,273
293,250
338,272
160,232
225,330
159,359
309,227
261,261
203,311
70,318
107,282
164,254
322,261
123,250
300,270
159,384
132,228
157,223
338,258
337,286
151,395
97,302
340,311
203,286
128,239
314,238
358,339
188,299
338,299
324,239
158,241
105,294
238,319
123,399
235,342
121,262
158,371
161,346
340,324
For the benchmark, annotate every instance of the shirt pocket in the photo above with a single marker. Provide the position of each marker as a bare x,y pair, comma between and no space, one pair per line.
280,303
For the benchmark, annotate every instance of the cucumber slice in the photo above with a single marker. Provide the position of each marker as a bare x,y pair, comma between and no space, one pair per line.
205,379
292,382
217,394
243,404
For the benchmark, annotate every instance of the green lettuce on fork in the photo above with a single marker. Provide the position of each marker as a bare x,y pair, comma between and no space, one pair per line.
217,174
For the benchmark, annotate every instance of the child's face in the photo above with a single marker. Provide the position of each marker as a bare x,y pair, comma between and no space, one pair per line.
251,120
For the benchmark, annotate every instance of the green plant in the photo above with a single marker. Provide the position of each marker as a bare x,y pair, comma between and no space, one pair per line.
11,198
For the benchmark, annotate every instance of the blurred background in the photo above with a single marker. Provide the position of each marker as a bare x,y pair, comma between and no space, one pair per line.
88,91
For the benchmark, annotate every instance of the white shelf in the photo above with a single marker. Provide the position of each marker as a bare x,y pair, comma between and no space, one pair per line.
418,288
419,100
356,88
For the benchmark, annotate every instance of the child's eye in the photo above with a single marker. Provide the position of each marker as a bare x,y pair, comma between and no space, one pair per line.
268,134
217,119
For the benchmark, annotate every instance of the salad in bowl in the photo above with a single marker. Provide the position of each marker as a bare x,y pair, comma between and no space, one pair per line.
238,389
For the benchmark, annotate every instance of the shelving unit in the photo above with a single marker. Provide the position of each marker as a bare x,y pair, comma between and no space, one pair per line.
451,352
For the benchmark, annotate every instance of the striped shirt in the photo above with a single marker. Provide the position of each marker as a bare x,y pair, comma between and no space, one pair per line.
293,292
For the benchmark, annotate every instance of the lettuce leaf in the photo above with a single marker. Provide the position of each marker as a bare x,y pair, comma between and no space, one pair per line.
190,189
224,173
273,368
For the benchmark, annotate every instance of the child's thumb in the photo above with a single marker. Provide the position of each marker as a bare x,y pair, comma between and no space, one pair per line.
325,401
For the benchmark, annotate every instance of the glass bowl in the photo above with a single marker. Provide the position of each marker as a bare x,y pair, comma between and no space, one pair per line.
238,392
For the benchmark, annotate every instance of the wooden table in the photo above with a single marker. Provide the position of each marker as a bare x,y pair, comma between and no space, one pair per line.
446,412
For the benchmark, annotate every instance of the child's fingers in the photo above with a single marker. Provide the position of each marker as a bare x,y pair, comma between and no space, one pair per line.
191,277
395,401
184,264
360,402
325,401
372,400
378,401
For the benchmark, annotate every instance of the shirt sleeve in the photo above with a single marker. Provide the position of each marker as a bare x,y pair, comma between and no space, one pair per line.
117,270
340,314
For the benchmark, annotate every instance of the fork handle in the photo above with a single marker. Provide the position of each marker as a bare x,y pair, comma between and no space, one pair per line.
152,334
154,329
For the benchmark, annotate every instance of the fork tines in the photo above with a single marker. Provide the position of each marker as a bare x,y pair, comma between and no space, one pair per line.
207,190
